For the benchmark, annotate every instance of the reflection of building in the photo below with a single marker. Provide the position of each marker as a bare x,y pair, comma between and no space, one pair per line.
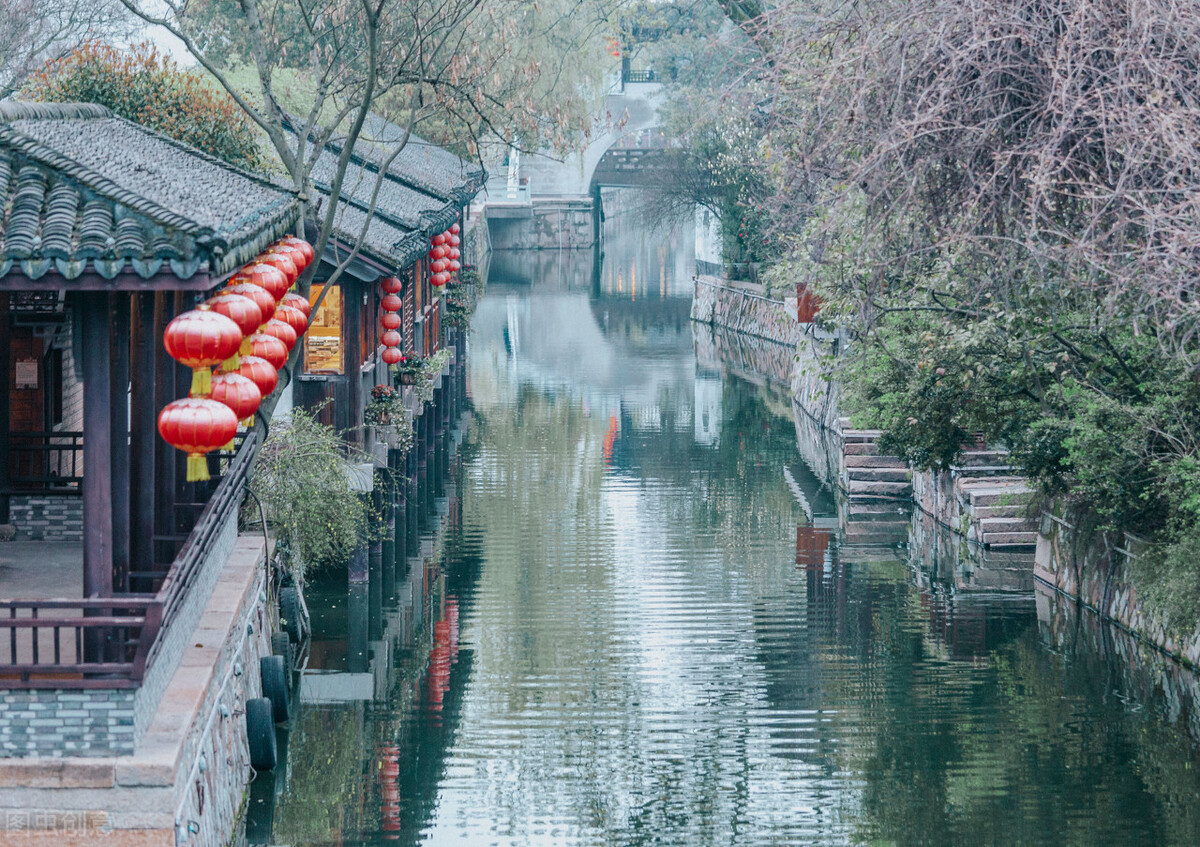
708,390
708,242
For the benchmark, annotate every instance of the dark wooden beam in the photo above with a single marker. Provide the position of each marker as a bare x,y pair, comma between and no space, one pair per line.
5,377
16,281
95,328
119,406
142,433
164,393
352,305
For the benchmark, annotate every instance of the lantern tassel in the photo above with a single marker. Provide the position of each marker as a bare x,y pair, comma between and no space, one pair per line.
197,467
201,383
232,365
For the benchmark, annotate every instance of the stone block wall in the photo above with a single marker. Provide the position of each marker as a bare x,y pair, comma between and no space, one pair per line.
66,723
1093,567
47,517
560,224
744,309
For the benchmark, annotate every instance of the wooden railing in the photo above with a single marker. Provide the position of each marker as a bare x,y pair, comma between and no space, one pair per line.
45,461
110,642
81,643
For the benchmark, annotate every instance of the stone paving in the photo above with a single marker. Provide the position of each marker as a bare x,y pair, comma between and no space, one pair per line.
35,570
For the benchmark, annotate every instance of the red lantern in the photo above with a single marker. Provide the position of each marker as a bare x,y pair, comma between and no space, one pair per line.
200,339
391,355
438,252
269,277
391,338
455,229
281,330
261,297
281,262
438,266
242,311
455,241
197,425
297,301
440,279
292,252
270,348
455,266
455,253
303,246
391,285
439,239
240,394
293,317
391,303
261,372
390,320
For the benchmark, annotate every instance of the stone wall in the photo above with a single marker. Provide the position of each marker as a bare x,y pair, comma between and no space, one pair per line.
1093,567
185,780
47,517
66,723
743,308
559,224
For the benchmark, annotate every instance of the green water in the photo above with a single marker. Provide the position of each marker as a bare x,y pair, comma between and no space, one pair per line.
621,638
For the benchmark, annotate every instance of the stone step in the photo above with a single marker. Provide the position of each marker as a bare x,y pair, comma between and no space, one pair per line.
876,533
876,461
989,525
965,482
1016,510
976,458
860,450
1003,495
860,436
866,509
983,471
1010,539
880,474
871,488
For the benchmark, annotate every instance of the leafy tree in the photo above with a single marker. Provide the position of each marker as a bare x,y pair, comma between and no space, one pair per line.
146,87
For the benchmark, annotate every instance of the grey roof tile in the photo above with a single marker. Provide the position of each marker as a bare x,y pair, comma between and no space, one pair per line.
80,187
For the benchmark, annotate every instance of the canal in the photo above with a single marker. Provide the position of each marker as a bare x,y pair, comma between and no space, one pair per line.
634,617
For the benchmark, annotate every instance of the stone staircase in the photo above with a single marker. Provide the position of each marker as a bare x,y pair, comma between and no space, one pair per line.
994,501
866,473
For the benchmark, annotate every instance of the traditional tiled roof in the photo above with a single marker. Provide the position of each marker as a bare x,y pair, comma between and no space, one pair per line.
420,194
82,190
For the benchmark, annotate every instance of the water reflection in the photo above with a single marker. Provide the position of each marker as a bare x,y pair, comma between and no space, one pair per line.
658,626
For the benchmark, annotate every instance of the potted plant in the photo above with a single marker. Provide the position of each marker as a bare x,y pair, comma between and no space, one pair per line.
408,369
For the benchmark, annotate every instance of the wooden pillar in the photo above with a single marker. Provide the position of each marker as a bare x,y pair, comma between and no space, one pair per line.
5,378
164,393
143,433
119,303
352,304
97,445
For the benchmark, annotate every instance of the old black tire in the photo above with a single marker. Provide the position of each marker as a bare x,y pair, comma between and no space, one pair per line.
260,734
275,686
289,612
281,645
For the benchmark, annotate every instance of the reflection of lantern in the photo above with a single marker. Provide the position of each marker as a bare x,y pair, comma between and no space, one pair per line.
391,355
240,394
271,278
391,303
280,330
297,301
303,246
261,372
390,285
391,338
197,425
282,262
270,348
390,320
293,317
200,339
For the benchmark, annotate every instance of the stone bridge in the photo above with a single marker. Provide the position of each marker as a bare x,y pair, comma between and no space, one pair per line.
540,201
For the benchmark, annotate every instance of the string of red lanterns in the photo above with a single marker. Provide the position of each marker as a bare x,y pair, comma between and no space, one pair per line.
444,255
390,320
248,329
